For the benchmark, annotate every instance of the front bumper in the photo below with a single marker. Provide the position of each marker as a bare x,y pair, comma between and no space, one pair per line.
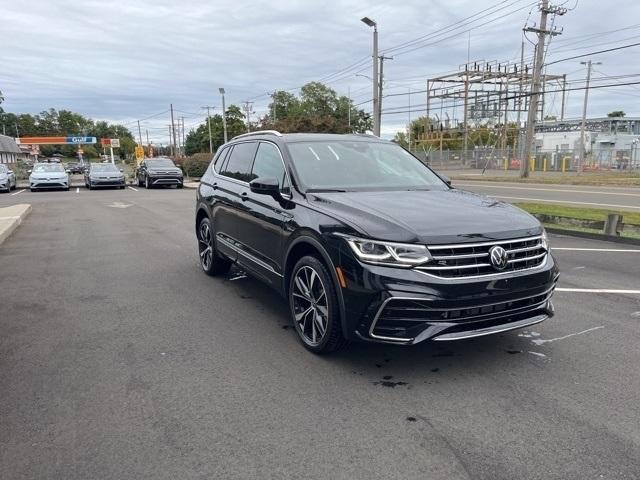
405,306
51,183
116,182
165,180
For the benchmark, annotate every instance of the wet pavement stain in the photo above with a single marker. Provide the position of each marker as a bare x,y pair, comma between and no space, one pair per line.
287,327
411,419
434,370
513,352
386,383
387,377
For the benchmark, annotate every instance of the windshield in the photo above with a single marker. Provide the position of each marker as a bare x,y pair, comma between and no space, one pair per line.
48,167
359,165
104,167
160,162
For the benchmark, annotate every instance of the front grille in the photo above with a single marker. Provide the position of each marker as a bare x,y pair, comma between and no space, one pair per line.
472,259
405,318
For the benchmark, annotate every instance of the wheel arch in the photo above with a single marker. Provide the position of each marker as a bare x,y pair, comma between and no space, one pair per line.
308,244
200,214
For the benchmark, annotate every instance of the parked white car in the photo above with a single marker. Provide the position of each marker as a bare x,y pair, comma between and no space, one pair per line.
48,175
7,179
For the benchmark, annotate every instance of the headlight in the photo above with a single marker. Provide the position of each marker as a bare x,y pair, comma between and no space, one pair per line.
545,240
389,253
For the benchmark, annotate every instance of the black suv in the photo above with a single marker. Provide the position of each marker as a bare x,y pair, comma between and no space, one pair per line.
159,171
366,242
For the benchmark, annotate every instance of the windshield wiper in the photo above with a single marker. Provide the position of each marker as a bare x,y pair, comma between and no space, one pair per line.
325,190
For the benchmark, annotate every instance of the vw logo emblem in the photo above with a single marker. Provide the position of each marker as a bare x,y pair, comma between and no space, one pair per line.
499,258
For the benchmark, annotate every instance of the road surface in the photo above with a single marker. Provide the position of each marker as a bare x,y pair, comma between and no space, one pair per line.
120,359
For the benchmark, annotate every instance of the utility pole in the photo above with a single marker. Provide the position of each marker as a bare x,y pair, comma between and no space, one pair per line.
375,78
209,125
564,95
545,10
139,134
171,144
224,115
248,108
583,149
173,130
466,114
184,149
349,114
382,59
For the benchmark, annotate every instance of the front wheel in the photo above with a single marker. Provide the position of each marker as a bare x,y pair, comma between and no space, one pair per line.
212,264
314,306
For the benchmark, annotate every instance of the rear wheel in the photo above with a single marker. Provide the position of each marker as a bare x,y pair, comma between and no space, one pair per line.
212,263
314,307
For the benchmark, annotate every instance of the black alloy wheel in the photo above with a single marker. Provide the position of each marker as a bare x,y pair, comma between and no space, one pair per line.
314,306
212,264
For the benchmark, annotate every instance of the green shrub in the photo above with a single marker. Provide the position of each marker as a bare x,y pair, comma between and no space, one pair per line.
195,165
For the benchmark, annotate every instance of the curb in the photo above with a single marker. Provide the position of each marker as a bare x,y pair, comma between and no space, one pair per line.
593,236
11,218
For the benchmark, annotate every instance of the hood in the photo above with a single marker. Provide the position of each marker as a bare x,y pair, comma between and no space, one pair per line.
48,174
3,175
164,169
436,217
106,174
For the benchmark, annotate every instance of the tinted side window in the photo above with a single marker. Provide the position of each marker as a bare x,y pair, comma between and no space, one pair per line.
269,164
220,159
240,161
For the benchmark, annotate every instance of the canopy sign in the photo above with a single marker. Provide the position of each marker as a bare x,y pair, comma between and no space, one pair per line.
55,140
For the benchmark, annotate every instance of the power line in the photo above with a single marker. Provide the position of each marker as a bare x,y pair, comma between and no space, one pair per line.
593,53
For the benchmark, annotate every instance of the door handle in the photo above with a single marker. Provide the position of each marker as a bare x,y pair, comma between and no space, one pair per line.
215,186
244,196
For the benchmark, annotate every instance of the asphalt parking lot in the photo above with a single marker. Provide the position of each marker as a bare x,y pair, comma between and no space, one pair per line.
120,359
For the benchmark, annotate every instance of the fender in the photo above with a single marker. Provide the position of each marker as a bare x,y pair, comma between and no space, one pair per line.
332,271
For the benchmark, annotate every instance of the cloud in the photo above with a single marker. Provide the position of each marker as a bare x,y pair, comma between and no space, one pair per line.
121,60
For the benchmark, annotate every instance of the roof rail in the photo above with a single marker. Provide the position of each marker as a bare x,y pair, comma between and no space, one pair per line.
259,132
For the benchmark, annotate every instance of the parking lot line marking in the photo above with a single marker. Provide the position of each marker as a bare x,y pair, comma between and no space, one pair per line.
19,191
540,341
596,290
529,199
619,250
547,189
134,189
77,189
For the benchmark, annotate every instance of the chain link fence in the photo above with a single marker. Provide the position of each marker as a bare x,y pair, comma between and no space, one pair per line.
544,161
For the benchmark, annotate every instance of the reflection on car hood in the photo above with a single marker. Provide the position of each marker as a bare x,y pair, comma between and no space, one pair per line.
451,216
106,174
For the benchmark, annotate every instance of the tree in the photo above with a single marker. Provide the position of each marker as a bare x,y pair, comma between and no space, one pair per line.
318,109
197,140
616,114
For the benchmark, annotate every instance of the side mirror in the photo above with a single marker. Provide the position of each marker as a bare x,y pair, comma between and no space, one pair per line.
29,171
265,186
10,171
121,170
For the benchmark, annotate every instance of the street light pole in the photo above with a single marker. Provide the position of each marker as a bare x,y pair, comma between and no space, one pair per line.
376,100
224,115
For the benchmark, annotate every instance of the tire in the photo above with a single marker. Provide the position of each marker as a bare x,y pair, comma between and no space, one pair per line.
121,187
180,185
147,185
33,189
212,264
139,182
311,290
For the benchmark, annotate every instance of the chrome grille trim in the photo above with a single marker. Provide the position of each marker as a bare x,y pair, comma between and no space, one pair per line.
523,254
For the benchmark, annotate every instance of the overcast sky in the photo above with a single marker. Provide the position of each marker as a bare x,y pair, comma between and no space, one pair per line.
127,60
